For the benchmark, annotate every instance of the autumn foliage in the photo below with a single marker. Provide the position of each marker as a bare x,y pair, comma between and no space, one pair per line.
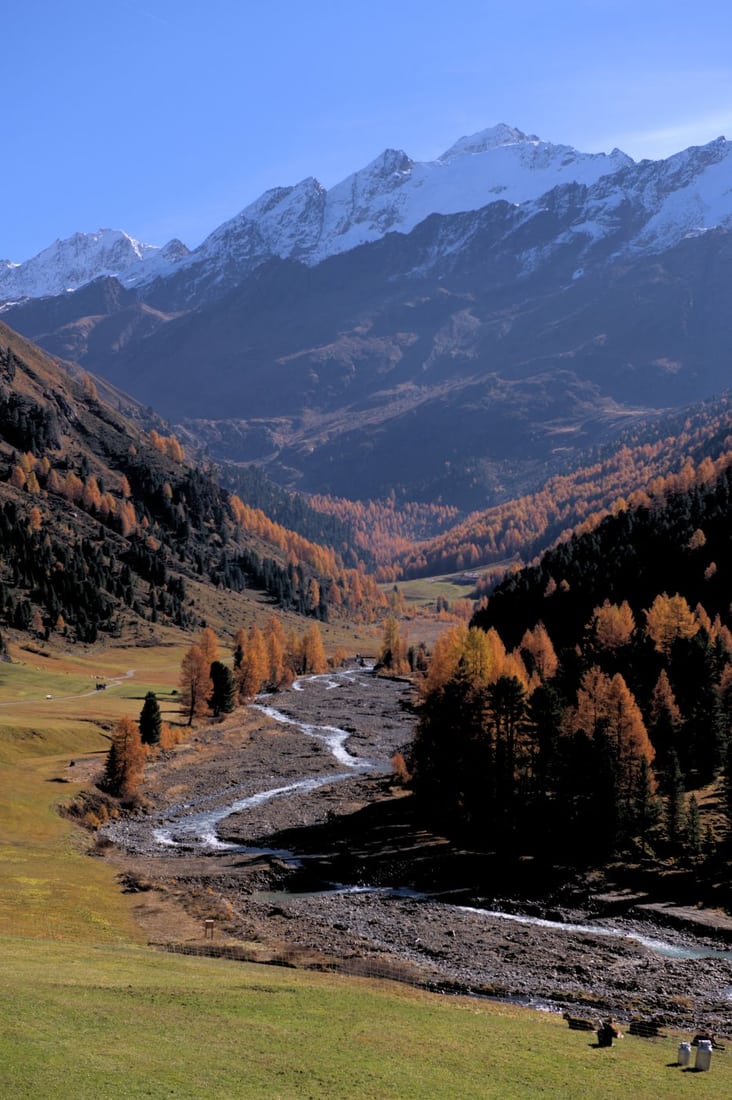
620,705
195,683
393,653
636,474
254,667
262,660
125,760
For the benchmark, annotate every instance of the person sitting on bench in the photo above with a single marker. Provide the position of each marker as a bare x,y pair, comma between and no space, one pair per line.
606,1032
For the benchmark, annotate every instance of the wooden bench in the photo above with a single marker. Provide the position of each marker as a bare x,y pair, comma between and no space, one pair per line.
577,1023
646,1029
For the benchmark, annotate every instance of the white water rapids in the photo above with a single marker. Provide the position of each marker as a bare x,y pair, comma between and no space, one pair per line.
199,828
333,738
660,947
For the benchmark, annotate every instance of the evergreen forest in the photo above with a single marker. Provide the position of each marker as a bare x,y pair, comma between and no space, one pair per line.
587,709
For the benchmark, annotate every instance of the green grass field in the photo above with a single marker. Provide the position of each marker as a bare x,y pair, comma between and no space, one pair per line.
425,591
88,1021
88,1011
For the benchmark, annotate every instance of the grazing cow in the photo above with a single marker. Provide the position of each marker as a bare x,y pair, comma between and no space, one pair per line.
576,1023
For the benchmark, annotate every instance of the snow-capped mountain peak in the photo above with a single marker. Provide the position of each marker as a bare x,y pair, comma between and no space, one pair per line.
390,162
485,140
174,251
394,193
284,221
70,263
685,194
651,206
309,223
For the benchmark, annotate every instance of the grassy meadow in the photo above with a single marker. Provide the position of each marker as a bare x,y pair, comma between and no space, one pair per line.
88,1010
88,1021
424,592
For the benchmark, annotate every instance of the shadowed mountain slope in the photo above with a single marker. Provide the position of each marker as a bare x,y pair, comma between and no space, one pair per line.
104,525
463,360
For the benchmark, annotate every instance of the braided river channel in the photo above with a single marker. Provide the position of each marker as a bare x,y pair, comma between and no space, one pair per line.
296,827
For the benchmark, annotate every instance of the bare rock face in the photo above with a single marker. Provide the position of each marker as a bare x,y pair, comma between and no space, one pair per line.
513,302
308,222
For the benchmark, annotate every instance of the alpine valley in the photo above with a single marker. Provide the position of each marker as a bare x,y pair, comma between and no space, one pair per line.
456,330
366,608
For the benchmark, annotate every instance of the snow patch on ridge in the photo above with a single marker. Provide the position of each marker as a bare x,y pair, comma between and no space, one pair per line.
647,206
486,139
306,222
69,264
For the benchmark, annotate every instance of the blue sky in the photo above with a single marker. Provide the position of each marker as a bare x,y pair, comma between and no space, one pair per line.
165,117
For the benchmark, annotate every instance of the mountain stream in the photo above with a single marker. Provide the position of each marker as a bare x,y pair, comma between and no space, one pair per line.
306,773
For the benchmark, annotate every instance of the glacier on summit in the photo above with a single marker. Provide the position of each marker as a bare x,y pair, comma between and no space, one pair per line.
69,264
307,222
395,193
658,202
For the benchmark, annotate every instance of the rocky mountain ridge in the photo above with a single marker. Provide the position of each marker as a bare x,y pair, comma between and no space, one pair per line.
66,265
462,361
688,193
308,222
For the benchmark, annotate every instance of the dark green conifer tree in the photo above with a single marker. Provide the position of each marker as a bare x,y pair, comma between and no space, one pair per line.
506,713
223,695
645,810
692,828
150,720
674,791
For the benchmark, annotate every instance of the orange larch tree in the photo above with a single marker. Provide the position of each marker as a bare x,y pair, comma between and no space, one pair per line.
538,644
665,722
254,667
313,653
393,652
612,625
669,618
446,654
280,674
125,760
195,683
209,645
606,706
663,702
627,728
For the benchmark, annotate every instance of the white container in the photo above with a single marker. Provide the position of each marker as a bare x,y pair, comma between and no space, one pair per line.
684,1054
703,1054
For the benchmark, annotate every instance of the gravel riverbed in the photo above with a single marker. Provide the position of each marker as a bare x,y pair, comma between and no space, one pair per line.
343,874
